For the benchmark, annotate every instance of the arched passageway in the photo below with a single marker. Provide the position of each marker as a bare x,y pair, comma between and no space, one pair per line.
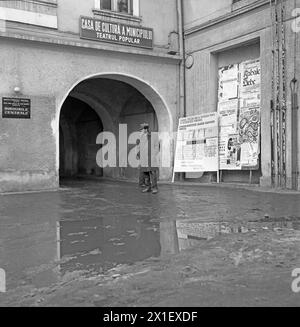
99,104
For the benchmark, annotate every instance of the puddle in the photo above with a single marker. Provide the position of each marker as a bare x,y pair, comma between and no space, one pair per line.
189,232
98,246
115,224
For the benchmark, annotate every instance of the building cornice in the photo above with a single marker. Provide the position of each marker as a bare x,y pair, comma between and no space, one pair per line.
236,11
72,40
44,2
48,3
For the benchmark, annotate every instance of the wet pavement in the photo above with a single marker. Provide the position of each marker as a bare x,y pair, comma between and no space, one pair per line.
92,228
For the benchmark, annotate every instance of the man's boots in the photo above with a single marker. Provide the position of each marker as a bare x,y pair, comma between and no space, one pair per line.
154,190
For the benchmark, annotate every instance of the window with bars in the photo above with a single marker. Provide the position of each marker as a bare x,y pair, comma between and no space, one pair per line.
121,6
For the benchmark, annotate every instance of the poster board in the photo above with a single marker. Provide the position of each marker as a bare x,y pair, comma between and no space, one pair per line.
228,139
197,144
239,112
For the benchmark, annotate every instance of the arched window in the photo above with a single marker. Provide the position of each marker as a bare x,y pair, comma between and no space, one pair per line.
130,7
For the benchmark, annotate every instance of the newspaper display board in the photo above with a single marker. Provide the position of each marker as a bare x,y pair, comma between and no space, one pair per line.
197,144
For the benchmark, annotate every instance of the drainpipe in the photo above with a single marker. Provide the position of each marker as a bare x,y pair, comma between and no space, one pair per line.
182,79
294,95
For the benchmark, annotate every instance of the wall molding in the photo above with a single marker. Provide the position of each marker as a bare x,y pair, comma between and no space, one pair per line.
28,17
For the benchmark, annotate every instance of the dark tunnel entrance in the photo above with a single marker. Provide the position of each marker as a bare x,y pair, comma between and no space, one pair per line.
78,129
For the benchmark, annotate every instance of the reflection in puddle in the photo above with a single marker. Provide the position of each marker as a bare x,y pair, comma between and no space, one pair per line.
97,246
191,232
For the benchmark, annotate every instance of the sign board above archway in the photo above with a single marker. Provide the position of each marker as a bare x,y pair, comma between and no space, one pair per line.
100,30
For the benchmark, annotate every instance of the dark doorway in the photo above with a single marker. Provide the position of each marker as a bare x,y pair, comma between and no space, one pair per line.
78,129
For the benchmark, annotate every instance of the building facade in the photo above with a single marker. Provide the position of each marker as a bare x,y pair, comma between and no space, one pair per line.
225,32
72,69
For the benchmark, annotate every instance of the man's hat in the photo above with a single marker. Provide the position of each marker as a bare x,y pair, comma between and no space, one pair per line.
144,125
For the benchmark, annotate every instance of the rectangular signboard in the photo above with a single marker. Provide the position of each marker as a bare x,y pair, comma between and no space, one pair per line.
197,144
16,108
114,32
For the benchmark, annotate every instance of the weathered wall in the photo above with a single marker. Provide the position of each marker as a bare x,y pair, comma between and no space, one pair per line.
197,11
29,149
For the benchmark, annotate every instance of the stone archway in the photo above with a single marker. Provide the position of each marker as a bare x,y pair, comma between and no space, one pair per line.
107,94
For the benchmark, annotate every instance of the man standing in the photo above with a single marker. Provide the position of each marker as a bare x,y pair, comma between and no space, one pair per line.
148,174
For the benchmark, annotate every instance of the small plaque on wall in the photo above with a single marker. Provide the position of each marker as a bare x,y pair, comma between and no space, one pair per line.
16,108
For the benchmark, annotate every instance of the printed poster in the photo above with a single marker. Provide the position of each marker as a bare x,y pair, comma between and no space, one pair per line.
250,99
229,152
228,116
228,82
250,77
249,136
197,144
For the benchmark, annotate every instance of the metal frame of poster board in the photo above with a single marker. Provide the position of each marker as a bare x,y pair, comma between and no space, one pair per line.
196,131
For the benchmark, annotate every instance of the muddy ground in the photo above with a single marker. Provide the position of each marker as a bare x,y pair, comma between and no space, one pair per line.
106,244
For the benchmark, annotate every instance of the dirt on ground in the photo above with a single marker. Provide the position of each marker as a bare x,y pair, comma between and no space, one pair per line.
252,269
106,244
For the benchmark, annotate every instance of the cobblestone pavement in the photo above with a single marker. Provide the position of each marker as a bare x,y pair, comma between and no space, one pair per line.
104,243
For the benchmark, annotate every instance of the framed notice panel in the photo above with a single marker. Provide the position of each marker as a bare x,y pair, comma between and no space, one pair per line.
16,108
197,144
113,32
